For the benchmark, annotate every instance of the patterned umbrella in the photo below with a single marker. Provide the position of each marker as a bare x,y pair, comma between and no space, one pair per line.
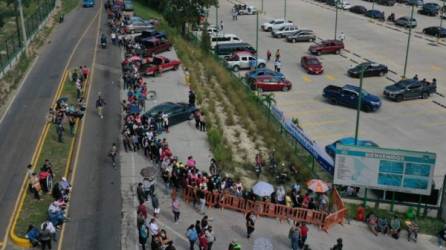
263,189
317,186
149,172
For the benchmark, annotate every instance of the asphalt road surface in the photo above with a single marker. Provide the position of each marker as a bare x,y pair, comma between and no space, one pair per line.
23,124
415,125
95,206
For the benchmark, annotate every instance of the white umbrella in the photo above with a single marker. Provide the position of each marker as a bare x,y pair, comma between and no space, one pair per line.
262,189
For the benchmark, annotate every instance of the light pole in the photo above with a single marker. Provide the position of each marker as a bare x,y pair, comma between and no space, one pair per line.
441,21
358,112
22,22
216,16
336,19
284,11
262,6
373,4
408,41
257,38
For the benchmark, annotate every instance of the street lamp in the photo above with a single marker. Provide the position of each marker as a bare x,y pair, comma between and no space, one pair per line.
373,4
262,6
358,112
284,11
408,41
441,20
336,19
257,37
216,16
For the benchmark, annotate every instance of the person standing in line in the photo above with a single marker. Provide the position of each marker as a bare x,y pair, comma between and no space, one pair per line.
143,235
191,98
60,129
250,223
294,237
165,118
45,237
210,236
71,123
176,209
303,234
192,236
202,198
155,205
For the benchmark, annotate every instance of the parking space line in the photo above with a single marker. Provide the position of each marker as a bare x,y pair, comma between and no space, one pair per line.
424,112
307,79
353,61
320,123
330,77
436,68
417,102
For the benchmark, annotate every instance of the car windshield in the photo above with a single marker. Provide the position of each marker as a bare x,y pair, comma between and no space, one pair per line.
403,84
313,61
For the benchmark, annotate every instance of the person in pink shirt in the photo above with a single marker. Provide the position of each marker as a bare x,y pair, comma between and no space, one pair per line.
191,163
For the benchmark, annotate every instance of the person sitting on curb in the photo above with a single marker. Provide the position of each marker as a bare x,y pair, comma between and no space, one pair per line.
372,222
395,227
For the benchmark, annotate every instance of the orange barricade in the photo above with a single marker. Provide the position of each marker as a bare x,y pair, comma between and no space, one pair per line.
188,194
212,198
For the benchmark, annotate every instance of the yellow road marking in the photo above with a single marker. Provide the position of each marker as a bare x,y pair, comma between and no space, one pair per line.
436,68
319,123
331,77
22,194
307,79
76,158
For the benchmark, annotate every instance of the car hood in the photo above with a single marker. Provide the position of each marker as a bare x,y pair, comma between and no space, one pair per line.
393,88
371,98
313,47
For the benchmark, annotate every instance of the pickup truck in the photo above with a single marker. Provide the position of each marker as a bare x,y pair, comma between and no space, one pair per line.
160,64
348,96
243,60
275,24
409,89
327,46
156,46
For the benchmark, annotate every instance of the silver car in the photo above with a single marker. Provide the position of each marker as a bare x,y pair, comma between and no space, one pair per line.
406,22
284,31
301,36
138,27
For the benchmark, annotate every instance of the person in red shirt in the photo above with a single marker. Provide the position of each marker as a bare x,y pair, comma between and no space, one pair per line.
303,235
203,241
142,209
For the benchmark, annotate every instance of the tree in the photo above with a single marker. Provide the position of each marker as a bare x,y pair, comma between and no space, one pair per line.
268,100
181,13
205,39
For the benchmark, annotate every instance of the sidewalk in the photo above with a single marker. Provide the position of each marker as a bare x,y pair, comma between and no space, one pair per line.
185,140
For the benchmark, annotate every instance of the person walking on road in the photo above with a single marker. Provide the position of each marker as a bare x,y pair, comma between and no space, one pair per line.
277,54
303,234
250,223
338,245
191,98
277,65
268,55
113,153
192,236
100,103
176,209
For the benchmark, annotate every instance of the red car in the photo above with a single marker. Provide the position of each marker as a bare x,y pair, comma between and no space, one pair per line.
156,46
327,46
271,83
312,65
160,64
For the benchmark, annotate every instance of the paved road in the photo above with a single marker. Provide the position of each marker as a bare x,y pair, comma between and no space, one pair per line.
415,125
95,207
22,125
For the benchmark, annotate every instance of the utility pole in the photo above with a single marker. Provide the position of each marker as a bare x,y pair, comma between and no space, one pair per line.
373,4
262,7
336,19
408,41
257,38
216,17
284,11
22,22
16,11
358,112
441,21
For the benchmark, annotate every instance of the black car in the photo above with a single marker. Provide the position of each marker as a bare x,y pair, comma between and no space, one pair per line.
371,69
386,2
375,14
436,31
429,9
177,112
358,9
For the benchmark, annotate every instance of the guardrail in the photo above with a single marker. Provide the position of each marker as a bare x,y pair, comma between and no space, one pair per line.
224,200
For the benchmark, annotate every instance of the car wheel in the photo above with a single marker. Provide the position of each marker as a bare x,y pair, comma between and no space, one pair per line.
236,68
399,98
381,73
338,52
261,65
333,101
425,95
368,109
270,29
260,90
190,117
285,89
175,67
318,53
311,39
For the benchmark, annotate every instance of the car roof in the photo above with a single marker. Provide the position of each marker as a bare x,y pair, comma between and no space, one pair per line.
407,82
243,52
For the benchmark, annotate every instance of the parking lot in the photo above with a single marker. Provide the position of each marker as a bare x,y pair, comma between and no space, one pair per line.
415,124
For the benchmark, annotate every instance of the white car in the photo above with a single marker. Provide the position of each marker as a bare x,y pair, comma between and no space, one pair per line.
344,5
213,30
248,10
243,60
284,31
275,24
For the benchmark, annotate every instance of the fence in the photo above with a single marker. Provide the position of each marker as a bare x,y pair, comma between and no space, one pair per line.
224,200
11,44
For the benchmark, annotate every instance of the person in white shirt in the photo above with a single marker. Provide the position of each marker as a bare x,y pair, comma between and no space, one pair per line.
153,228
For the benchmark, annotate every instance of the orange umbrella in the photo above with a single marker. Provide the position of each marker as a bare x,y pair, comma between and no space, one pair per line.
317,186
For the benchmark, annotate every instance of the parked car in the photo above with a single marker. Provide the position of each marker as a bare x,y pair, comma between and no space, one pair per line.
415,2
128,5
436,31
348,141
370,69
213,30
247,10
251,76
284,31
224,39
409,89
301,36
327,46
137,27
271,83
177,112
156,46
358,9
150,34
406,22
344,5
88,3
242,60
429,9
376,14
386,2
160,64
275,24
349,95
223,50
312,65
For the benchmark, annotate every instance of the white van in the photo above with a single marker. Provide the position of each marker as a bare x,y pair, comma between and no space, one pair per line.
224,39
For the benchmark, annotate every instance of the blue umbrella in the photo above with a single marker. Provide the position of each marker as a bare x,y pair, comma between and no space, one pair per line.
263,189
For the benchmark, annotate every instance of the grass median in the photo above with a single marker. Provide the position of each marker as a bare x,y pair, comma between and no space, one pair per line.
36,211
239,124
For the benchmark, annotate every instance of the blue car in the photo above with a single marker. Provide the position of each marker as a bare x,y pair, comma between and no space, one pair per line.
252,75
347,141
375,14
88,3
348,96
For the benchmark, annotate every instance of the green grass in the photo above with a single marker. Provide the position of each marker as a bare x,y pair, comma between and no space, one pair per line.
34,211
427,225
253,116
